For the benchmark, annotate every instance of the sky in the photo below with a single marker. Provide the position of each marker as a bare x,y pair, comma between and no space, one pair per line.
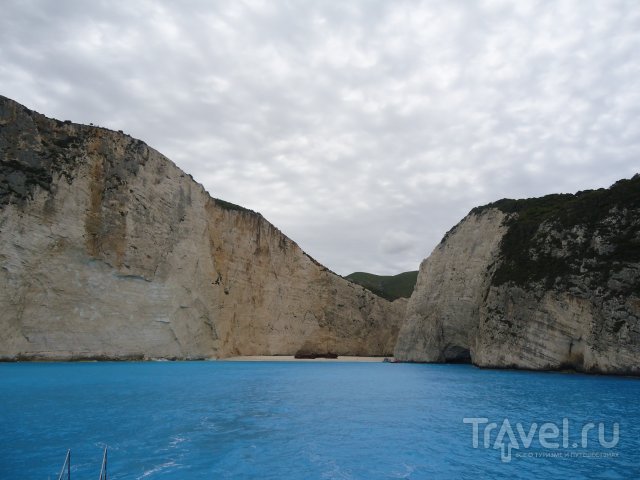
364,130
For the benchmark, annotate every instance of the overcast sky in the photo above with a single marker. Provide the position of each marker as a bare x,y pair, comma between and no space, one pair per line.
363,130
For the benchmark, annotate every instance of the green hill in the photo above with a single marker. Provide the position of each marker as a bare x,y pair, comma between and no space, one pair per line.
390,287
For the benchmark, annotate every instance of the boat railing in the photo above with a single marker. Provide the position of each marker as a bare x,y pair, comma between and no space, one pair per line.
103,468
66,467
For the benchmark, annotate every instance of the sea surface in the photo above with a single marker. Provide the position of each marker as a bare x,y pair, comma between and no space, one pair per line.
286,420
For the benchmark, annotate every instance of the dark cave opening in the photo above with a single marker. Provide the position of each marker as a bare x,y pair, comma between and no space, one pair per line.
457,354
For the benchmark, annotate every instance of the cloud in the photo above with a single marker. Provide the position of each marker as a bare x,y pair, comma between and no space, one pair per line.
364,130
397,243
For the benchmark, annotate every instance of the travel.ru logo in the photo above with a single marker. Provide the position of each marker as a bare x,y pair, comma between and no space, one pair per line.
553,440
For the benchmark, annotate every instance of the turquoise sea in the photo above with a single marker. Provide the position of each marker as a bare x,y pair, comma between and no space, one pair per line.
286,420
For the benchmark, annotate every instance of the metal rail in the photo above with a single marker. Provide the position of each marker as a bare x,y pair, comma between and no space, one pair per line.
103,469
67,464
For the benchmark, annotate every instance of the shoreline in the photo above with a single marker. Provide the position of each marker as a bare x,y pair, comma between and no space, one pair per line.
40,358
291,358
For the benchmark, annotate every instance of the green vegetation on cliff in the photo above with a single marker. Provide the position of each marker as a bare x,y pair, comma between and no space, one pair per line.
231,206
552,238
390,287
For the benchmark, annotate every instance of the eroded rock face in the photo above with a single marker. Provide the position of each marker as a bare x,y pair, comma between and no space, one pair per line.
546,284
108,250
442,314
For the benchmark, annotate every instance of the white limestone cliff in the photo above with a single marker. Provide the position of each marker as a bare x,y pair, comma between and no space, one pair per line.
443,312
108,250
543,284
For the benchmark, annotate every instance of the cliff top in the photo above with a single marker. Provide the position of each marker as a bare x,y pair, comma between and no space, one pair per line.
572,207
601,225
34,158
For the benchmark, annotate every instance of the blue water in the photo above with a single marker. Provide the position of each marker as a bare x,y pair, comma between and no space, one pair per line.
217,420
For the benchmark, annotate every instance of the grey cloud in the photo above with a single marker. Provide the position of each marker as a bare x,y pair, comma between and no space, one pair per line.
396,242
344,122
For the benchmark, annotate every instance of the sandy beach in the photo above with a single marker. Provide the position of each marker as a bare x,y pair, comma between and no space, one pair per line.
291,358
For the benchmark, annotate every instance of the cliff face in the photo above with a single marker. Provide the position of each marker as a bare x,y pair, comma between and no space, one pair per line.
108,250
442,314
549,283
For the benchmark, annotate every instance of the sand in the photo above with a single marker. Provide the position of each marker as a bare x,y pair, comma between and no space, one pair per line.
290,358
